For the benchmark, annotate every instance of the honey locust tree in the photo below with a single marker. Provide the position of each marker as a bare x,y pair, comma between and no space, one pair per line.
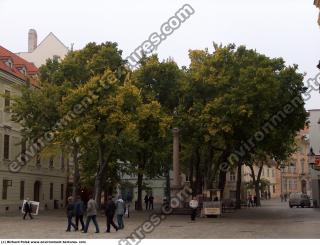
111,113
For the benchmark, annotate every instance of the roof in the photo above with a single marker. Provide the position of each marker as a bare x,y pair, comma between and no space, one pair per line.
51,34
18,62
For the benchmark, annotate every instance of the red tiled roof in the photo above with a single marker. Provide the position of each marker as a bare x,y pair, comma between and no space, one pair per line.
18,62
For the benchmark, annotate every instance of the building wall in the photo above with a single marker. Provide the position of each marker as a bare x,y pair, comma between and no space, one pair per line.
314,135
50,47
32,172
156,185
268,173
297,174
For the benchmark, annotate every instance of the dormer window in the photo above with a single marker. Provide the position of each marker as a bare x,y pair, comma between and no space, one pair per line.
56,57
23,70
9,63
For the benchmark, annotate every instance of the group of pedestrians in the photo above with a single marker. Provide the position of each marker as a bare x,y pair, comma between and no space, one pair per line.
252,201
148,200
77,209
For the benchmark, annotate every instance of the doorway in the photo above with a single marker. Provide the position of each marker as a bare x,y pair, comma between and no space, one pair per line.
304,186
36,191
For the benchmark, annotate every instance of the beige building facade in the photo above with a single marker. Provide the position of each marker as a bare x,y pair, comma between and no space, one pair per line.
49,48
317,3
42,179
296,176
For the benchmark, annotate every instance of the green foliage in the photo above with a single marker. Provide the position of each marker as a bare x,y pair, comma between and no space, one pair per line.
219,102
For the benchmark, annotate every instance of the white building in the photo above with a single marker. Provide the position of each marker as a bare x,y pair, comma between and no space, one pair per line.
42,179
314,134
49,48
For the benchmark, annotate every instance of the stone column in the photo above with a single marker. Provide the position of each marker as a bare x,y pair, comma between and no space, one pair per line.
175,158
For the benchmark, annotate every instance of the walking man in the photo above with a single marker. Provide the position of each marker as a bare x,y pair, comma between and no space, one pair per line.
27,209
151,202
91,214
146,201
70,214
110,211
120,211
79,206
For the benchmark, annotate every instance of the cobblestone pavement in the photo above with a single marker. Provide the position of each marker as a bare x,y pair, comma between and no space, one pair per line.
273,220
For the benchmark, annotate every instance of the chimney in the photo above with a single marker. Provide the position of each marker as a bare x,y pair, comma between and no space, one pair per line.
32,40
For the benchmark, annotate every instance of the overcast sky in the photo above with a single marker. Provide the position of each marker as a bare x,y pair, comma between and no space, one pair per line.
277,28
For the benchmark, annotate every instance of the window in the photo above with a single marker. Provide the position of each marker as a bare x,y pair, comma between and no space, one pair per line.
302,165
51,162
272,172
5,185
7,100
293,167
23,150
38,160
61,192
268,172
23,71
21,190
289,184
232,176
56,57
6,146
274,189
9,63
284,185
51,191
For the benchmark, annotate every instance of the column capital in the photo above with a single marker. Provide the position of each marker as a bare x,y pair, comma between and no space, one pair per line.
175,130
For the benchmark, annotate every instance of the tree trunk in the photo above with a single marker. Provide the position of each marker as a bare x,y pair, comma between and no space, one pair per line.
238,191
140,180
256,182
76,174
191,174
168,186
222,182
97,190
222,173
198,174
103,161
257,187
210,175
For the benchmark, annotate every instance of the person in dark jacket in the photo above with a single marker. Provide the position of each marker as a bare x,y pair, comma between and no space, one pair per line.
146,201
255,200
151,202
79,208
110,211
27,209
70,214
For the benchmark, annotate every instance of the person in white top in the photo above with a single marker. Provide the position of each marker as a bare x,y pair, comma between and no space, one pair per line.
194,205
